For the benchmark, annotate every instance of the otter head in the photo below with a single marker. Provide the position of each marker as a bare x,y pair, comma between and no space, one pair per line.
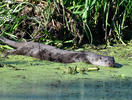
102,60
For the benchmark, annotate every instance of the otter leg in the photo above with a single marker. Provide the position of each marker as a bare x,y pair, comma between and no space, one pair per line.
10,52
17,51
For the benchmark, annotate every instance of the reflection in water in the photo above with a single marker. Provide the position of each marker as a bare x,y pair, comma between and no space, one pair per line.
81,89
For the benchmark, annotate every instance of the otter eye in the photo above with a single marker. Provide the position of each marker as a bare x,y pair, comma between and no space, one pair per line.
109,63
100,58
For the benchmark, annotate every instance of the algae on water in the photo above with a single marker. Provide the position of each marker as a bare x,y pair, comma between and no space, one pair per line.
32,77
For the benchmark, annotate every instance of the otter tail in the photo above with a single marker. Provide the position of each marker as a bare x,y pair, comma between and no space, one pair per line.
10,42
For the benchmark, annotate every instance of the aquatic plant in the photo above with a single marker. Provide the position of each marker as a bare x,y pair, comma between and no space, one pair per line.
59,22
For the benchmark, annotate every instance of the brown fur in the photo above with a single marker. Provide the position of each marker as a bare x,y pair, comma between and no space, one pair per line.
46,52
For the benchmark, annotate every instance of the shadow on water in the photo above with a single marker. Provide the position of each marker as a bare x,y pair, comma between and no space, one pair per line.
33,63
81,89
117,65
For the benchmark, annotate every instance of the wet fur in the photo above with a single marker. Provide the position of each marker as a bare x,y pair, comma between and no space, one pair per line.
46,52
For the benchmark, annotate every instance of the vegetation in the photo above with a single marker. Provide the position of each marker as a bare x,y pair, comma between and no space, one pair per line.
59,22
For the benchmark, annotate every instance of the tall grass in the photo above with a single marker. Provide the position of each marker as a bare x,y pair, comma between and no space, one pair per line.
113,15
10,18
107,19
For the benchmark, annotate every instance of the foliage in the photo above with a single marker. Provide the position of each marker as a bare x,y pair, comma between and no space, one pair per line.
104,16
57,22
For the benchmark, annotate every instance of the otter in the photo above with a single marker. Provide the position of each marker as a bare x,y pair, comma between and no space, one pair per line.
51,53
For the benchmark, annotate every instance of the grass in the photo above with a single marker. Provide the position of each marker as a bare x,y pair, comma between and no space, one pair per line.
99,21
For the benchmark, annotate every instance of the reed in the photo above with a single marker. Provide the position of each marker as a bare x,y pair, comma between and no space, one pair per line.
105,18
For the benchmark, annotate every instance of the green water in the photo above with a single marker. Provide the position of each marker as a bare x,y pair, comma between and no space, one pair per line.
26,78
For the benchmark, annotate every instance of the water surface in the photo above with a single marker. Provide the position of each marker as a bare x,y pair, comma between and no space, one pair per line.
26,78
